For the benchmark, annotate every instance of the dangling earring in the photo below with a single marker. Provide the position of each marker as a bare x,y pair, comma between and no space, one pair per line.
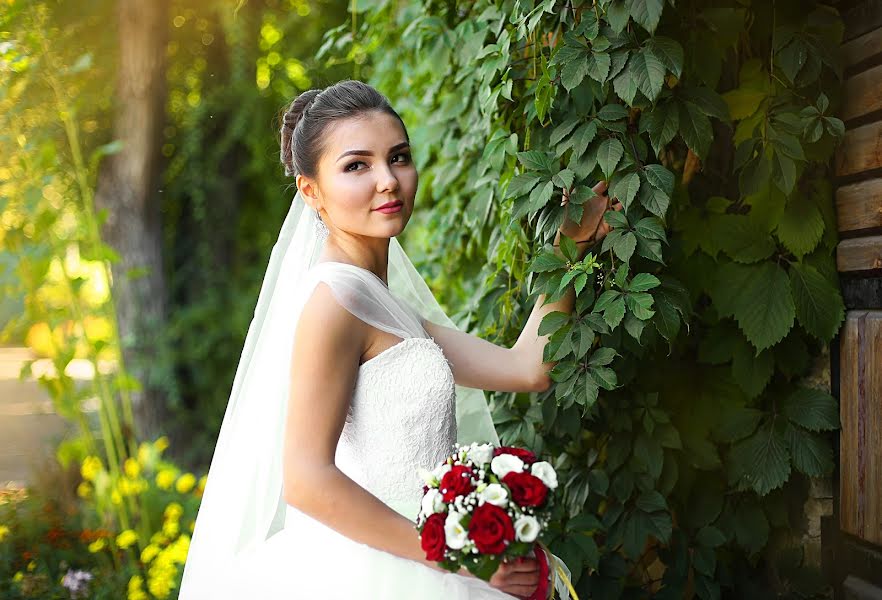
321,230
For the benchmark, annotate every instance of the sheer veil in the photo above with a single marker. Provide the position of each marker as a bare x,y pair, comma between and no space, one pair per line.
242,504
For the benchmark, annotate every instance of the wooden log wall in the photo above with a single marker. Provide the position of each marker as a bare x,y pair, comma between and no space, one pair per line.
858,169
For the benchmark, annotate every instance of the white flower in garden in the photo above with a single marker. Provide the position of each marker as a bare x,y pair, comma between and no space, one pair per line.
454,533
494,494
432,502
504,464
544,471
526,528
481,453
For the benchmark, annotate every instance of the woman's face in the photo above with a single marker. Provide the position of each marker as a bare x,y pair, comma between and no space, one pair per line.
366,164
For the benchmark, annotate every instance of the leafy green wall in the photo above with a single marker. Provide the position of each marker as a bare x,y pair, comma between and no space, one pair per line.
684,432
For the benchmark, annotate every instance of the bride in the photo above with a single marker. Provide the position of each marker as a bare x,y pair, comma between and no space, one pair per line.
351,379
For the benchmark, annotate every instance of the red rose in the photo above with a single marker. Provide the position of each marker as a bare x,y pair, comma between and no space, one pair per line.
456,482
491,529
432,537
526,489
525,455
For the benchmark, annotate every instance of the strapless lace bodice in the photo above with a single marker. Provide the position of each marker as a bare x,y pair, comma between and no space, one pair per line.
402,417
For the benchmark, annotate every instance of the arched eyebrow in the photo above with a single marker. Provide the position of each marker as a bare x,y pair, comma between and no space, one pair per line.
394,148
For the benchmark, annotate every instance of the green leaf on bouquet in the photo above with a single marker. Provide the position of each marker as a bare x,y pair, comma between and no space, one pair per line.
482,566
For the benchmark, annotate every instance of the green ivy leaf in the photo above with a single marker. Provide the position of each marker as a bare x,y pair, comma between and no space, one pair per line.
812,409
811,454
759,298
624,246
643,282
819,305
752,372
670,52
659,178
547,261
609,154
597,66
521,184
801,226
574,72
553,321
647,71
625,189
654,200
761,462
745,241
647,13
695,128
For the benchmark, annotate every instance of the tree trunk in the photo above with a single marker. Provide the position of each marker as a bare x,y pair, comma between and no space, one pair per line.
129,187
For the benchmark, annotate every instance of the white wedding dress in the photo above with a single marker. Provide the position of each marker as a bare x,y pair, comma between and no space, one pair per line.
402,417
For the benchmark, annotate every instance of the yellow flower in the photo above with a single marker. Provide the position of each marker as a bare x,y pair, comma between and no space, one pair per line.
165,478
131,467
173,511
135,591
115,497
84,490
126,538
90,467
97,545
4,531
149,553
185,483
135,582
18,576
200,487
32,565
192,525
170,528
126,487
143,453
161,443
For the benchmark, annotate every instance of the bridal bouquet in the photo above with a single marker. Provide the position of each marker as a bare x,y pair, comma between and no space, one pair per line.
484,504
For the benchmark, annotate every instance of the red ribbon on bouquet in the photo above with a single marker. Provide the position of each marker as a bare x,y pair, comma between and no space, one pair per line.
541,592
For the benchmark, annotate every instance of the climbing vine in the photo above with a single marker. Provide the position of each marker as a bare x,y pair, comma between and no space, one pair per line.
682,417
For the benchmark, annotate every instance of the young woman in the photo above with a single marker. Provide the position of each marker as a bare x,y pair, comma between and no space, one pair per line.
353,378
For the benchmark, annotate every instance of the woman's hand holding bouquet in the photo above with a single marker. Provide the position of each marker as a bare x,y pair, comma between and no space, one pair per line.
484,509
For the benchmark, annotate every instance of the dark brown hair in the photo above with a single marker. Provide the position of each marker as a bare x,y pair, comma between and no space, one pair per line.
306,120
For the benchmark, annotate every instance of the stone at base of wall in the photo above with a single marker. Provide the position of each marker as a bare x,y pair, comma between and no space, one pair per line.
855,588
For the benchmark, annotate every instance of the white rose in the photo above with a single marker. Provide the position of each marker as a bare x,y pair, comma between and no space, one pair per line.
454,533
440,470
544,471
504,464
526,528
432,502
428,477
494,494
481,454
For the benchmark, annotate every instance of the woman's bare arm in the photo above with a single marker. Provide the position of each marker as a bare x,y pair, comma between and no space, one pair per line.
481,364
324,366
